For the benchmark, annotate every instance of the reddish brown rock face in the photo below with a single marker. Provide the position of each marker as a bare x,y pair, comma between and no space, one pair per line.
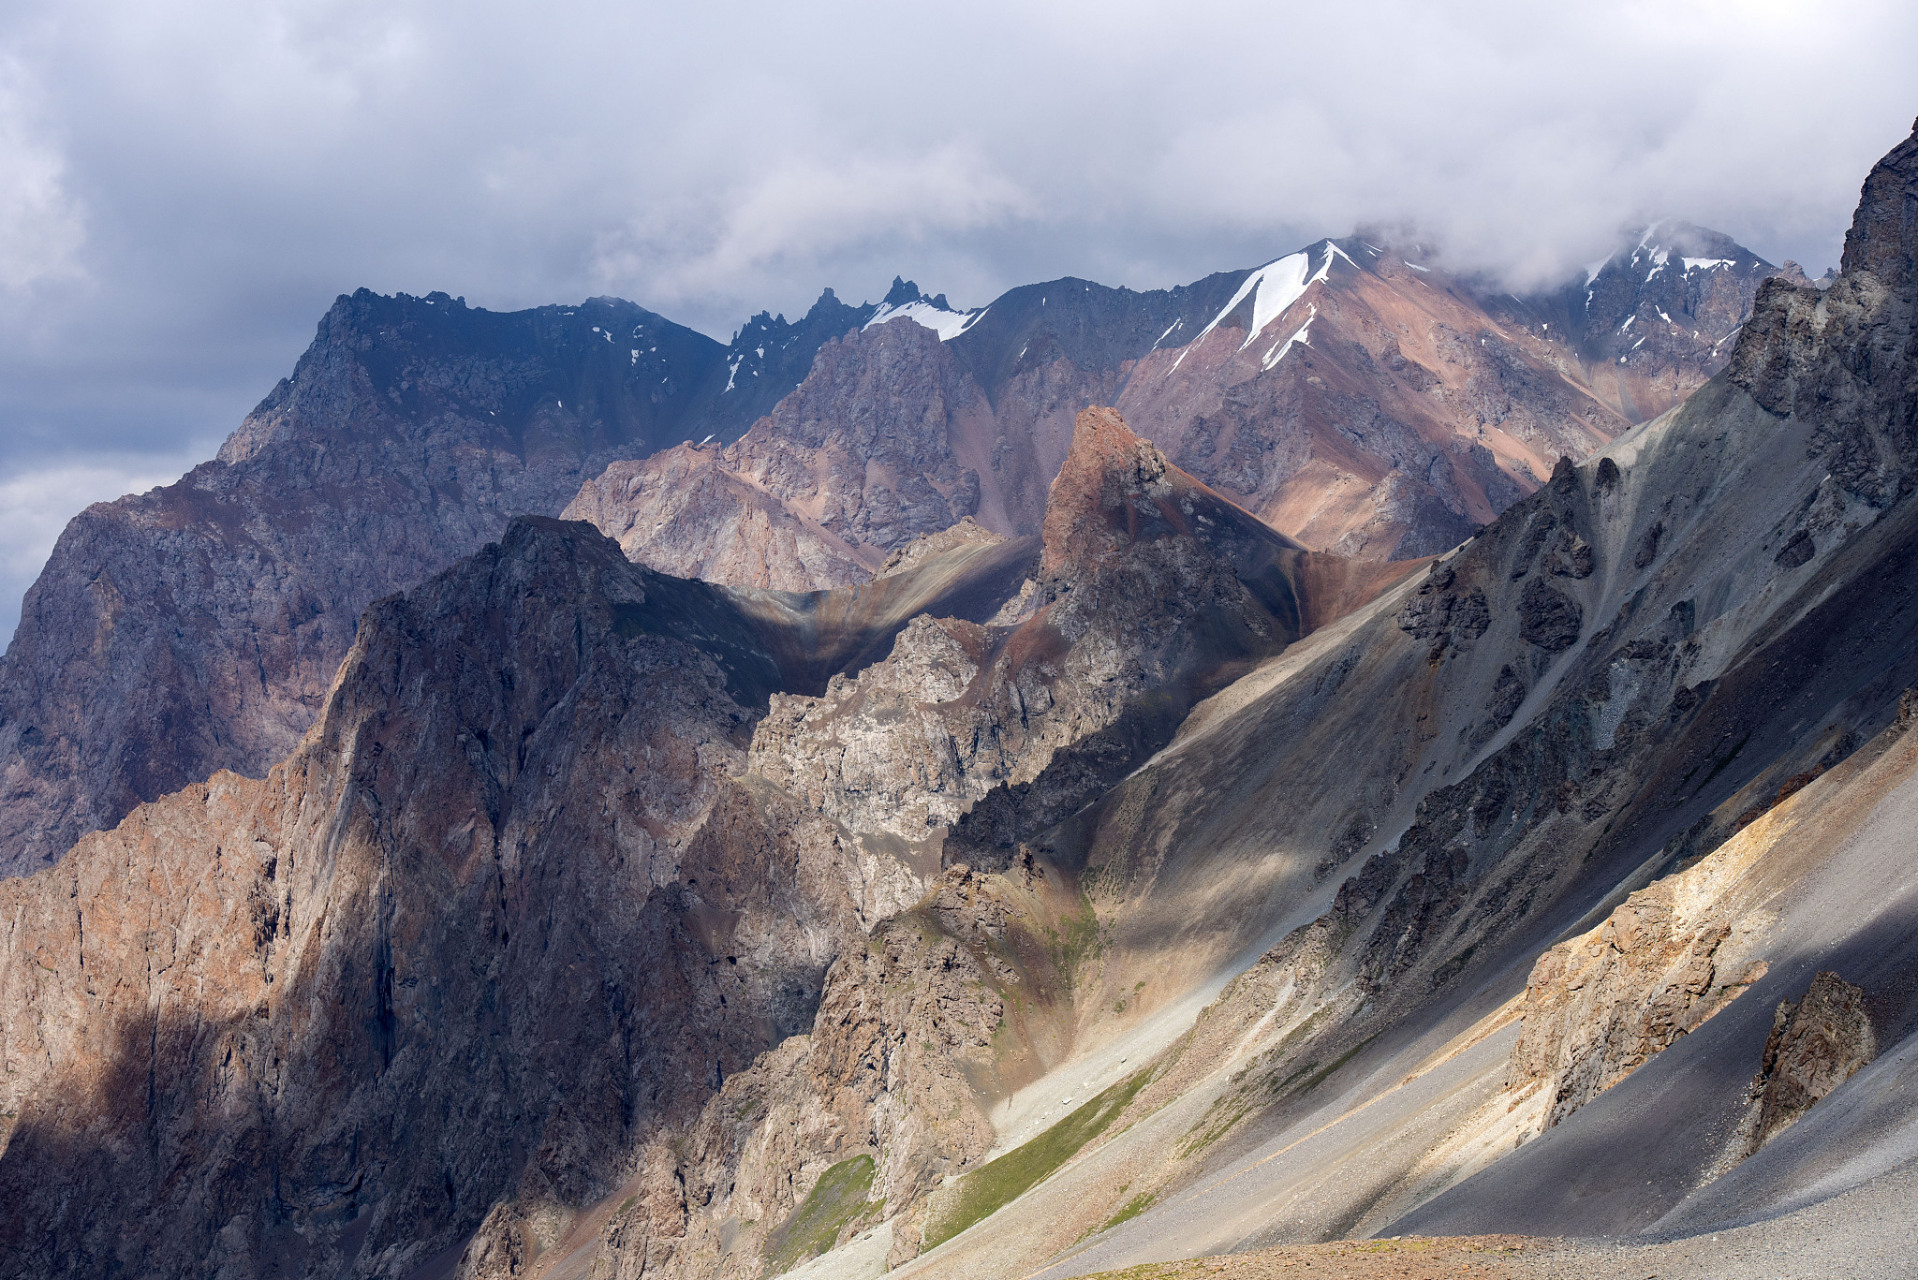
1382,413
562,858
1816,1044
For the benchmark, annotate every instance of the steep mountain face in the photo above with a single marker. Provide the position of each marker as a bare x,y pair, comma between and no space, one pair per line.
541,916
1355,401
1564,890
1651,323
1364,405
1131,882
196,627
1352,399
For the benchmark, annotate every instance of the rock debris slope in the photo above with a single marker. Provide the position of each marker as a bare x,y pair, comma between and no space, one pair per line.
539,936
1565,889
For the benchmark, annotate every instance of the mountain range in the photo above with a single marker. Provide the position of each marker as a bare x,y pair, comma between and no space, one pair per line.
1328,752
1360,402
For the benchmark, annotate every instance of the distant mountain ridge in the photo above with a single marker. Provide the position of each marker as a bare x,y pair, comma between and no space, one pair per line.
1353,400
1349,395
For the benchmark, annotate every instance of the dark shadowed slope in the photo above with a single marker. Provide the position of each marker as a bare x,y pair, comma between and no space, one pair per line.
196,627
1510,901
575,901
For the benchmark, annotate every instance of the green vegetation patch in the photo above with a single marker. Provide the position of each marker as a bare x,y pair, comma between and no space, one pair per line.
839,1197
986,1189
1130,1209
1076,941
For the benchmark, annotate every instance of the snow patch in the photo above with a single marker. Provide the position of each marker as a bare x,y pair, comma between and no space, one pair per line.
1277,353
1705,264
732,372
947,324
1274,288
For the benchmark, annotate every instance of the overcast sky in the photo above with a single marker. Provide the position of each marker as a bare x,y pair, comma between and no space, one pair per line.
184,188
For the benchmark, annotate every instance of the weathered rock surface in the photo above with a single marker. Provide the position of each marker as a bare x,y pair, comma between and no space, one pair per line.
1598,1007
1151,592
197,627
500,915
486,951
1817,1042
1488,769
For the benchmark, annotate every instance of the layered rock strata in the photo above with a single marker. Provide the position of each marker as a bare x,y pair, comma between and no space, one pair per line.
530,928
197,627
1688,652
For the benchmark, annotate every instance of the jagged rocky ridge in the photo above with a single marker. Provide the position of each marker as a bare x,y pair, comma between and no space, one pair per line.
1352,397
531,920
1651,323
196,627
1540,859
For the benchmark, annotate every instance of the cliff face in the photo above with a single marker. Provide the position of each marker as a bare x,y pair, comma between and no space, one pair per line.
532,922
197,627
1351,398
1542,856
1353,401
343,1008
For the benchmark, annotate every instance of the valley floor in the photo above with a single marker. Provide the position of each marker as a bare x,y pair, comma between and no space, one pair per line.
1864,1234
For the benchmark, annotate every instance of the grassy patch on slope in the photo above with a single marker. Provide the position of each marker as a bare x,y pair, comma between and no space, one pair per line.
983,1191
836,1199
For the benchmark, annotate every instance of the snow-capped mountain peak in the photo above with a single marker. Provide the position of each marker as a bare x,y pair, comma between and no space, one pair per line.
935,313
1275,287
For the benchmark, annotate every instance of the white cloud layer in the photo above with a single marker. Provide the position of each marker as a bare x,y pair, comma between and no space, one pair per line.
41,229
185,187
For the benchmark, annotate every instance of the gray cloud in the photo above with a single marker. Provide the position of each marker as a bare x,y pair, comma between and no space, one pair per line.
183,189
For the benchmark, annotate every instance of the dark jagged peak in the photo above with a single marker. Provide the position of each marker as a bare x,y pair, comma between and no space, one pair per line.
830,308
1884,232
1838,353
771,355
1652,320
905,301
609,371
903,293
